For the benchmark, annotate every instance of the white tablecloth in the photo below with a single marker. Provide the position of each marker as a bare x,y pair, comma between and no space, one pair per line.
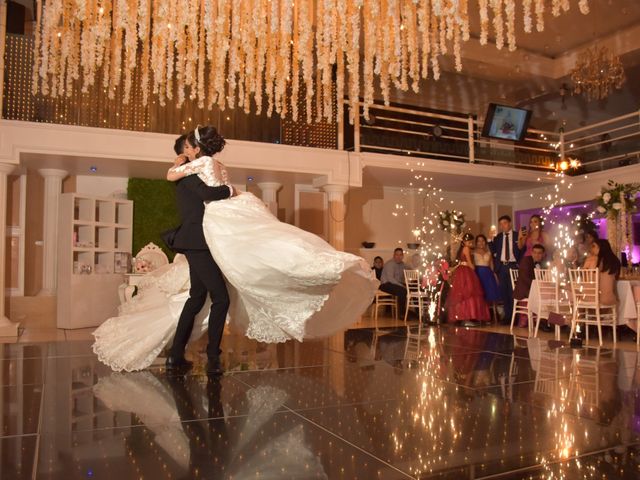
626,303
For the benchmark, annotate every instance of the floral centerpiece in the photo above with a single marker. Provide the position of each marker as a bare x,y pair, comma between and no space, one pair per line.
452,221
617,201
617,198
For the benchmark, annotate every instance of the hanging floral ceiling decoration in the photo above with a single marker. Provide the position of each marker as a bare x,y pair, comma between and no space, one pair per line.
232,53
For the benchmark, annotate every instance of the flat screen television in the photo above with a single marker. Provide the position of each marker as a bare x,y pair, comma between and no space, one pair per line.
506,123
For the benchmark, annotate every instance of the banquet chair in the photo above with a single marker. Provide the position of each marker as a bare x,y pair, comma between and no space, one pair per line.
548,293
519,306
550,372
585,387
412,347
416,298
585,288
384,299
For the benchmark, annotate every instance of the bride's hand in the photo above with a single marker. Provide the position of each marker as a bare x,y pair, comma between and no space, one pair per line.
180,160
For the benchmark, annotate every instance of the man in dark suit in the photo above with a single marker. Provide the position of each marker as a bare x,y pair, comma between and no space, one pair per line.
506,256
526,272
204,273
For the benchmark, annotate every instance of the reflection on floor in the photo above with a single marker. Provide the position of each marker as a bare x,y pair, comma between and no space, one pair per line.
452,403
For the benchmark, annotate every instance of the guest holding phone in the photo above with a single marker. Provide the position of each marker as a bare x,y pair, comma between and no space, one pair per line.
532,236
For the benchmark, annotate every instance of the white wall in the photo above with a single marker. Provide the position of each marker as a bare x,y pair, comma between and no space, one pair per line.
371,215
100,186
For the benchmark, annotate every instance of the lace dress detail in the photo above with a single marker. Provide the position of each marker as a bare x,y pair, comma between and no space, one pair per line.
145,324
209,170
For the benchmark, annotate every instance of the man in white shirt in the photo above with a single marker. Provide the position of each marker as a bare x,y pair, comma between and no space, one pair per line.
392,278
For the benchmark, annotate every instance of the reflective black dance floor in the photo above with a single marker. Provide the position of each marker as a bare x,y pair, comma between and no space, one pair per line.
460,404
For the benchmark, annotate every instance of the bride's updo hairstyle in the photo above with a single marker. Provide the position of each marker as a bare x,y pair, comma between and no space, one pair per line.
208,139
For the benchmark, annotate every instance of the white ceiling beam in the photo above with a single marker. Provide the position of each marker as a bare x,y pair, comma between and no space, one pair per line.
532,64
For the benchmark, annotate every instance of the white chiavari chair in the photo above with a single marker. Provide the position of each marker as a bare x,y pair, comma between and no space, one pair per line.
382,300
416,297
519,306
548,286
585,299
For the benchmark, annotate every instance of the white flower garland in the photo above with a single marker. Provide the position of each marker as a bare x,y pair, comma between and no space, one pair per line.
498,23
526,7
230,52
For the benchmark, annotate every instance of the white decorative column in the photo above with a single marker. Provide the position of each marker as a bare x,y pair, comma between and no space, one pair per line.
270,195
335,197
52,190
7,328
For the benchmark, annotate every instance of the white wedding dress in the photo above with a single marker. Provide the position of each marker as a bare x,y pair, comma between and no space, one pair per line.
284,283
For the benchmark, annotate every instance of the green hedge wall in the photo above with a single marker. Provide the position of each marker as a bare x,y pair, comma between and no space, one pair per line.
154,211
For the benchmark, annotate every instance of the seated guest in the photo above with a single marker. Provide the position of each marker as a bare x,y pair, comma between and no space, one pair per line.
563,264
558,263
585,247
573,258
378,264
526,275
392,278
602,257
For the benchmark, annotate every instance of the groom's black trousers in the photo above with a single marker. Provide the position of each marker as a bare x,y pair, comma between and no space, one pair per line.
206,277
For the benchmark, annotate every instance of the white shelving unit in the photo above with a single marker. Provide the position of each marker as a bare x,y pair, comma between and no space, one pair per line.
93,233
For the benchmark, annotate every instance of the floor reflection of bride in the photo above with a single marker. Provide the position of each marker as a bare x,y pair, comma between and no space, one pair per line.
209,447
284,283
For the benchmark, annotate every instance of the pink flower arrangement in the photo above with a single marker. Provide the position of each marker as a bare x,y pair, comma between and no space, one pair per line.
143,266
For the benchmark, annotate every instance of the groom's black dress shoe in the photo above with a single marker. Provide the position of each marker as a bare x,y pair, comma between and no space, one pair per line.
173,364
214,369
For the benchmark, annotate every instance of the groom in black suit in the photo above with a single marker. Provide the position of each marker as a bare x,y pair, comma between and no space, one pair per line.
204,273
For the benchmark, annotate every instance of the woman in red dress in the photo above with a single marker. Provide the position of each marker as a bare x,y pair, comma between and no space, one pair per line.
465,302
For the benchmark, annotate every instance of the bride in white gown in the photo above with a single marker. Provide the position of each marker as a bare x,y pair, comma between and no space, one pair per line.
284,283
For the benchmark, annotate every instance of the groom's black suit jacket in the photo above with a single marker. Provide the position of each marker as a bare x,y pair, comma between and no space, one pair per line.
191,193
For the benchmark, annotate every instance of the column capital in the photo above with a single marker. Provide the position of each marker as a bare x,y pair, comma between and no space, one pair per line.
275,186
335,190
53,172
7,168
